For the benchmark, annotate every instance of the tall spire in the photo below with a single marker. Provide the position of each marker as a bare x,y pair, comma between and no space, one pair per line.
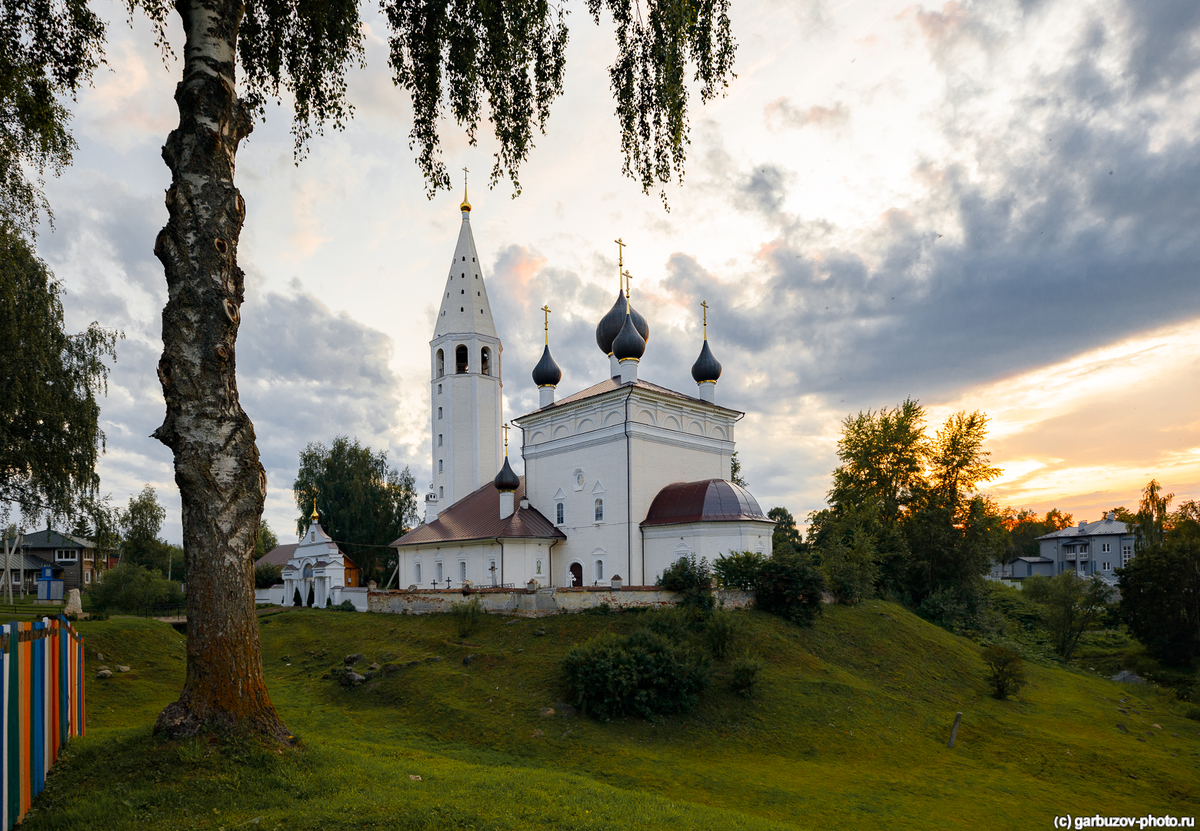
465,308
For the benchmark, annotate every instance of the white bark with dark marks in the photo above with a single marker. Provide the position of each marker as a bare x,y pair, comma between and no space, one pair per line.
217,468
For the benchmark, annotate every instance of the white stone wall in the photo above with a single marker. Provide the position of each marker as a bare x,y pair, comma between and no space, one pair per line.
538,603
471,451
667,543
669,440
516,561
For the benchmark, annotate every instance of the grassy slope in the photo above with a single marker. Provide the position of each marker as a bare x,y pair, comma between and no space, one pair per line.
850,724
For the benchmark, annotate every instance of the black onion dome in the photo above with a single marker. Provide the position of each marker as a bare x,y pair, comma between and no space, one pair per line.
706,368
610,325
629,343
506,480
547,373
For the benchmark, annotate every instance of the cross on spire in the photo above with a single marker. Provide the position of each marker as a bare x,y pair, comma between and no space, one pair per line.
504,427
628,280
620,259
546,309
466,205
315,515
704,303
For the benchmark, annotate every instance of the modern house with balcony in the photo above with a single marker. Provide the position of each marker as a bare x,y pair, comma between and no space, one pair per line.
1088,548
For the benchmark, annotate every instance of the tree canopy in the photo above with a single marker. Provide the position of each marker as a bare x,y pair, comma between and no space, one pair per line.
50,436
364,504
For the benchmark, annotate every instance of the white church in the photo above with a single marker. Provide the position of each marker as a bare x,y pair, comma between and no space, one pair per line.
621,479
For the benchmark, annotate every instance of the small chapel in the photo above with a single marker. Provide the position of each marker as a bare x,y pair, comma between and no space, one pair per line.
621,479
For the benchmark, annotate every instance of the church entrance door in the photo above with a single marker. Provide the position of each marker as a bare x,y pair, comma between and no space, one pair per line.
576,575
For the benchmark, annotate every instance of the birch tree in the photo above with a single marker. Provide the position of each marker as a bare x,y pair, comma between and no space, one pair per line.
453,57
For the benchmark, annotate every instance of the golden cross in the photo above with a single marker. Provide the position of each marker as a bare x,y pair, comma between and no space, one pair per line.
464,184
314,513
504,427
620,258
705,305
628,281
546,309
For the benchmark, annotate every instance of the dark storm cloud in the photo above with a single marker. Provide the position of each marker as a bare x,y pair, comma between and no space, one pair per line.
1090,237
307,374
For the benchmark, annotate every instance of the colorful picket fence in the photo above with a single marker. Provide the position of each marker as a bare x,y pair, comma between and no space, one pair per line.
41,706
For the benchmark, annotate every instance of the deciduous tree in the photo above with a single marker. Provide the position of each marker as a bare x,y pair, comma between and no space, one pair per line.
363,502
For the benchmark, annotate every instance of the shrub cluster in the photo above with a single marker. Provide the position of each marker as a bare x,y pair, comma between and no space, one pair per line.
692,578
467,616
743,674
787,583
643,674
739,569
130,588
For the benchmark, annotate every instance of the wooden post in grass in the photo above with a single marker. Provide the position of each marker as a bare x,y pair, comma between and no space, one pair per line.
954,729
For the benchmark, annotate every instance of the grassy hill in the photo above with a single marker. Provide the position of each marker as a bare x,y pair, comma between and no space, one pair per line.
849,725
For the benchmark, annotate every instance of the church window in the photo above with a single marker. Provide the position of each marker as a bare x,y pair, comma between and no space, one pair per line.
599,510
417,573
472,259
313,538
479,294
539,566
461,308
441,493
492,570
460,359
599,569
439,439
439,389
464,258
439,465
462,291
439,412
485,361
441,365
437,567
462,571
558,513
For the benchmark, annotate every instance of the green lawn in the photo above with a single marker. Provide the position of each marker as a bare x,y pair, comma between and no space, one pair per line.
849,727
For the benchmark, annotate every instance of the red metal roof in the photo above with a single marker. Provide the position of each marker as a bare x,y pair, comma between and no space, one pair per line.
477,517
710,500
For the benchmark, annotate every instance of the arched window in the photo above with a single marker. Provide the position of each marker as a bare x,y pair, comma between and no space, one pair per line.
439,439
441,493
462,571
599,569
439,465
599,510
439,412
492,570
437,568
441,366
417,573
558,514
485,361
439,389
460,360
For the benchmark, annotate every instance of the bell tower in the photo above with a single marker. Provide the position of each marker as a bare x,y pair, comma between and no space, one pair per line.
465,385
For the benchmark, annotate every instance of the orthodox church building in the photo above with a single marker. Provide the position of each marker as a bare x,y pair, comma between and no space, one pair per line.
314,568
621,478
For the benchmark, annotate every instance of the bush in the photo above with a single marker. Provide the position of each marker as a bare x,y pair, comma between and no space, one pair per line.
791,587
957,608
296,601
1006,671
345,606
743,675
739,570
675,623
720,631
467,616
130,588
266,575
643,674
693,579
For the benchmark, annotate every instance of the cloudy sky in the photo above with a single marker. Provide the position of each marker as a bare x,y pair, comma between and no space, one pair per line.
986,205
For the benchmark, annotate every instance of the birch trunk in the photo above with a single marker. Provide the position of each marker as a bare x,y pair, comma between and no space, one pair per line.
217,468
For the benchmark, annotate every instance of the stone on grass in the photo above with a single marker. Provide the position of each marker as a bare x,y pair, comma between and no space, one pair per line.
469,659
434,659
121,668
414,777
388,669
546,712
104,673
73,607
537,633
350,678
353,658
564,709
